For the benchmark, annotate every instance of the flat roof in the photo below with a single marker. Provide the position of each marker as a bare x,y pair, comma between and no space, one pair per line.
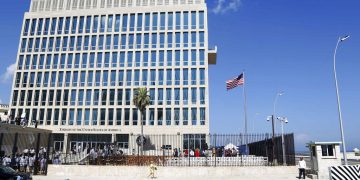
324,143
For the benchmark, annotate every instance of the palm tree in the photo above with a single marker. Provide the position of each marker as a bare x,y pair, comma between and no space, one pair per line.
141,101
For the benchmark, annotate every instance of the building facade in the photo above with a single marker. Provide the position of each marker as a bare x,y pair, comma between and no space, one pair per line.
80,61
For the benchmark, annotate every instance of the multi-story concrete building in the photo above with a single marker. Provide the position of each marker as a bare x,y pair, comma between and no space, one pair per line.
79,62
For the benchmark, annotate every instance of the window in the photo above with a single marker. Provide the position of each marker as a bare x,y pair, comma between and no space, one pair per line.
53,26
88,97
160,117
127,116
113,78
152,96
87,117
202,116
121,78
178,39
67,25
75,79
102,23
118,116
120,97
202,76
177,76
132,22
151,116
111,117
81,24
127,96
40,25
168,77
177,96
136,77
177,58
96,97
185,96
170,40
186,39
186,57
144,77
147,21
74,25
327,150
124,23
178,20
112,97
102,117
202,39
66,97
139,22
193,116
84,60
193,95
160,96
68,79
81,97
185,116
79,117
185,77
60,25
110,24
155,21
104,94
146,40
82,78
88,25
128,77
95,24
101,42
201,20
46,28
168,96
193,39
193,20
135,117
26,27
105,78
86,43
48,116
99,60
193,76
153,40
145,58
202,95
95,117
186,20
153,77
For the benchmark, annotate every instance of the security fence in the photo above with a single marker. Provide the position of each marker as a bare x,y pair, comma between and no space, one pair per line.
172,150
24,149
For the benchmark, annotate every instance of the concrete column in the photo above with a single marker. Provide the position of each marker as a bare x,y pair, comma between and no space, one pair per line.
65,143
113,138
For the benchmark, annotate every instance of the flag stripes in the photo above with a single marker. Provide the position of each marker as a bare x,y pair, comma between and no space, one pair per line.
345,172
232,83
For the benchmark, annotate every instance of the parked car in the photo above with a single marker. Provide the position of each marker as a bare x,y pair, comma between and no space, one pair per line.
7,173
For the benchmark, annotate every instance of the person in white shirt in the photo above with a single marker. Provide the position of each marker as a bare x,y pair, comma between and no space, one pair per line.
302,167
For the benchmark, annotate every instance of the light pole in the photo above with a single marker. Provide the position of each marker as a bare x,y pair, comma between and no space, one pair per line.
282,121
280,93
341,39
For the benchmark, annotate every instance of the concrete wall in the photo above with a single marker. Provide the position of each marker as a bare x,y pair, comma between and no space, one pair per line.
126,172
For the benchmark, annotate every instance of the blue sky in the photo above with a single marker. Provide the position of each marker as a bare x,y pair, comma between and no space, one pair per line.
284,45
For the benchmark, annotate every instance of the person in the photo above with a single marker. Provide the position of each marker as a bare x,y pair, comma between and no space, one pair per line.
302,167
152,169
31,163
191,153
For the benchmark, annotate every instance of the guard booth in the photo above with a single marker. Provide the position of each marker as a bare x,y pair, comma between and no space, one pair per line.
322,156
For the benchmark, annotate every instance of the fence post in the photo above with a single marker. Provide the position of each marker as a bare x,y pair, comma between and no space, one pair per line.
189,148
1,141
215,148
36,168
47,153
14,150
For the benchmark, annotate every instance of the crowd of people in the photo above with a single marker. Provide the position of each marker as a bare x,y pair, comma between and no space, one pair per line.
26,161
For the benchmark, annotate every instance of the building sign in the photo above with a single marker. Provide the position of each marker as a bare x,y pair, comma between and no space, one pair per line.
89,130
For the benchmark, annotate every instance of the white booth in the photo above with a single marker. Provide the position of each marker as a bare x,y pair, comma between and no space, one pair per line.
322,156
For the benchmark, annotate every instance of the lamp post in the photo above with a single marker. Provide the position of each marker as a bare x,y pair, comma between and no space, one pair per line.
341,39
282,121
280,93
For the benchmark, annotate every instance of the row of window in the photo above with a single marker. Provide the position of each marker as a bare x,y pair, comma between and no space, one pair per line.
104,97
113,42
111,78
112,59
118,116
115,23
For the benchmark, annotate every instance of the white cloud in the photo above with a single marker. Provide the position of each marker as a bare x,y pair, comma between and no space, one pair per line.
224,6
9,72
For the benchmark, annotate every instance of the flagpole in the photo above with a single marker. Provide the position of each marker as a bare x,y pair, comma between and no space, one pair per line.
245,114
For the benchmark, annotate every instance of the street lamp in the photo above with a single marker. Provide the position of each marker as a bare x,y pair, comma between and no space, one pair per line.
341,39
282,121
273,122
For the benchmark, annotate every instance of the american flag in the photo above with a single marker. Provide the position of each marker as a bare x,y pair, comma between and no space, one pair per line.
238,81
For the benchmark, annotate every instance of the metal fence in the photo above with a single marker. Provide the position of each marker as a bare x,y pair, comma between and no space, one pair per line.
24,149
173,150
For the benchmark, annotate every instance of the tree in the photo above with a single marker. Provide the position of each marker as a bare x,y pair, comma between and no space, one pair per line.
141,101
